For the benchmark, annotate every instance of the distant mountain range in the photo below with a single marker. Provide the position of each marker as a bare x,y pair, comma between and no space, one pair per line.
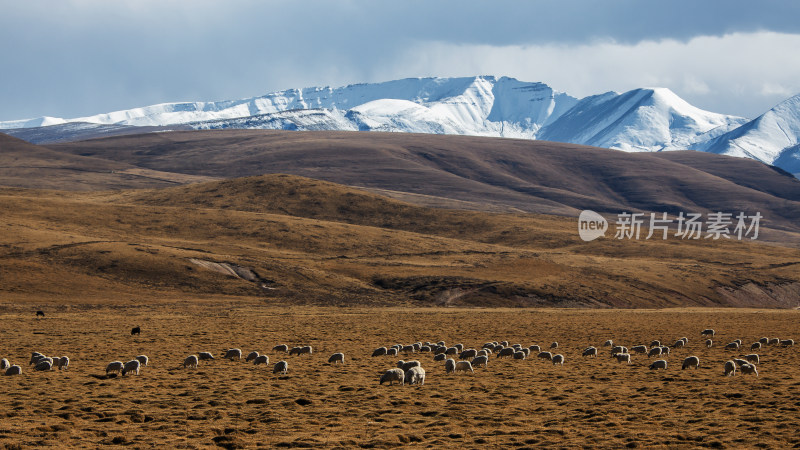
641,120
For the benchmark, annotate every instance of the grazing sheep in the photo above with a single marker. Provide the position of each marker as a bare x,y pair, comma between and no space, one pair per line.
608,343
527,351
439,350
709,343
440,357
131,366
504,343
639,349
664,350
752,358
483,352
535,348
14,370
748,369
114,366
658,364
336,358
764,340
391,352
732,346
4,364
623,357
488,344
558,359
518,355
281,367
205,356
554,345
35,356
143,359
738,341
425,349
740,361
262,359
441,344
415,375
450,365
655,351
39,313
408,349
463,366
281,348
774,341
451,351
707,332
233,353
460,347
392,375
294,351
508,351
480,361
679,343
251,356
545,355
63,363
190,361
730,368
136,330
618,349
590,351
685,340
468,353
306,350
43,365
405,365
655,344
41,358
755,346
787,342
691,361
417,346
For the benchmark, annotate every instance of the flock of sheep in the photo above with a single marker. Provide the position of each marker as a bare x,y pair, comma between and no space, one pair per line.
411,372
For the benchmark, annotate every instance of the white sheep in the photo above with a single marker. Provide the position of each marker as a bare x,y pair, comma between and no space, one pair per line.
664,350
63,363
755,346
441,344
251,356
281,348
519,355
415,375
450,365
393,375
685,340
114,366
131,366
468,353
391,352
554,345
740,361
205,356
749,369
408,349
417,346
14,370
730,368
608,343
233,353
623,357
451,351
463,366
787,342
527,351
738,341
190,361
480,360
590,351
39,358
281,367
440,357
707,332
535,348
507,351
774,341
504,343
639,349
691,361
655,351
679,343
262,359
545,355
425,349
35,356
380,351
4,364
336,358
709,343
483,352
655,343
460,347
658,364
405,365
306,350
732,346
44,365
752,358
618,349
143,359
764,341
558,359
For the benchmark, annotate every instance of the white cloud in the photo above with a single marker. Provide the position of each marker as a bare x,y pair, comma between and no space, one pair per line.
740,73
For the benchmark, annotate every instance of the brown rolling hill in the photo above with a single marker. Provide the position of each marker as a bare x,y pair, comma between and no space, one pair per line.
473,172
286,239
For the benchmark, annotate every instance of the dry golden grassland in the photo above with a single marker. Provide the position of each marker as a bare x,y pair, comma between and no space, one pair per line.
587,402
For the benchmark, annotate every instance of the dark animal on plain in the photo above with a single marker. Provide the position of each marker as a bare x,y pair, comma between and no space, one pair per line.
39,313
136,330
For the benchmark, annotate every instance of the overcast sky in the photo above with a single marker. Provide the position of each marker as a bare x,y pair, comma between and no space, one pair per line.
69,58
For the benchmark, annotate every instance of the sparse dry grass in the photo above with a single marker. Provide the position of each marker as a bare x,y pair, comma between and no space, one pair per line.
587,402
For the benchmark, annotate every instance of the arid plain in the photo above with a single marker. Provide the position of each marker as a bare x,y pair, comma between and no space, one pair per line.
281,259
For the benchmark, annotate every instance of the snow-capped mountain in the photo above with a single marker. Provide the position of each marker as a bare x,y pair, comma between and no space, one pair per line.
637,120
